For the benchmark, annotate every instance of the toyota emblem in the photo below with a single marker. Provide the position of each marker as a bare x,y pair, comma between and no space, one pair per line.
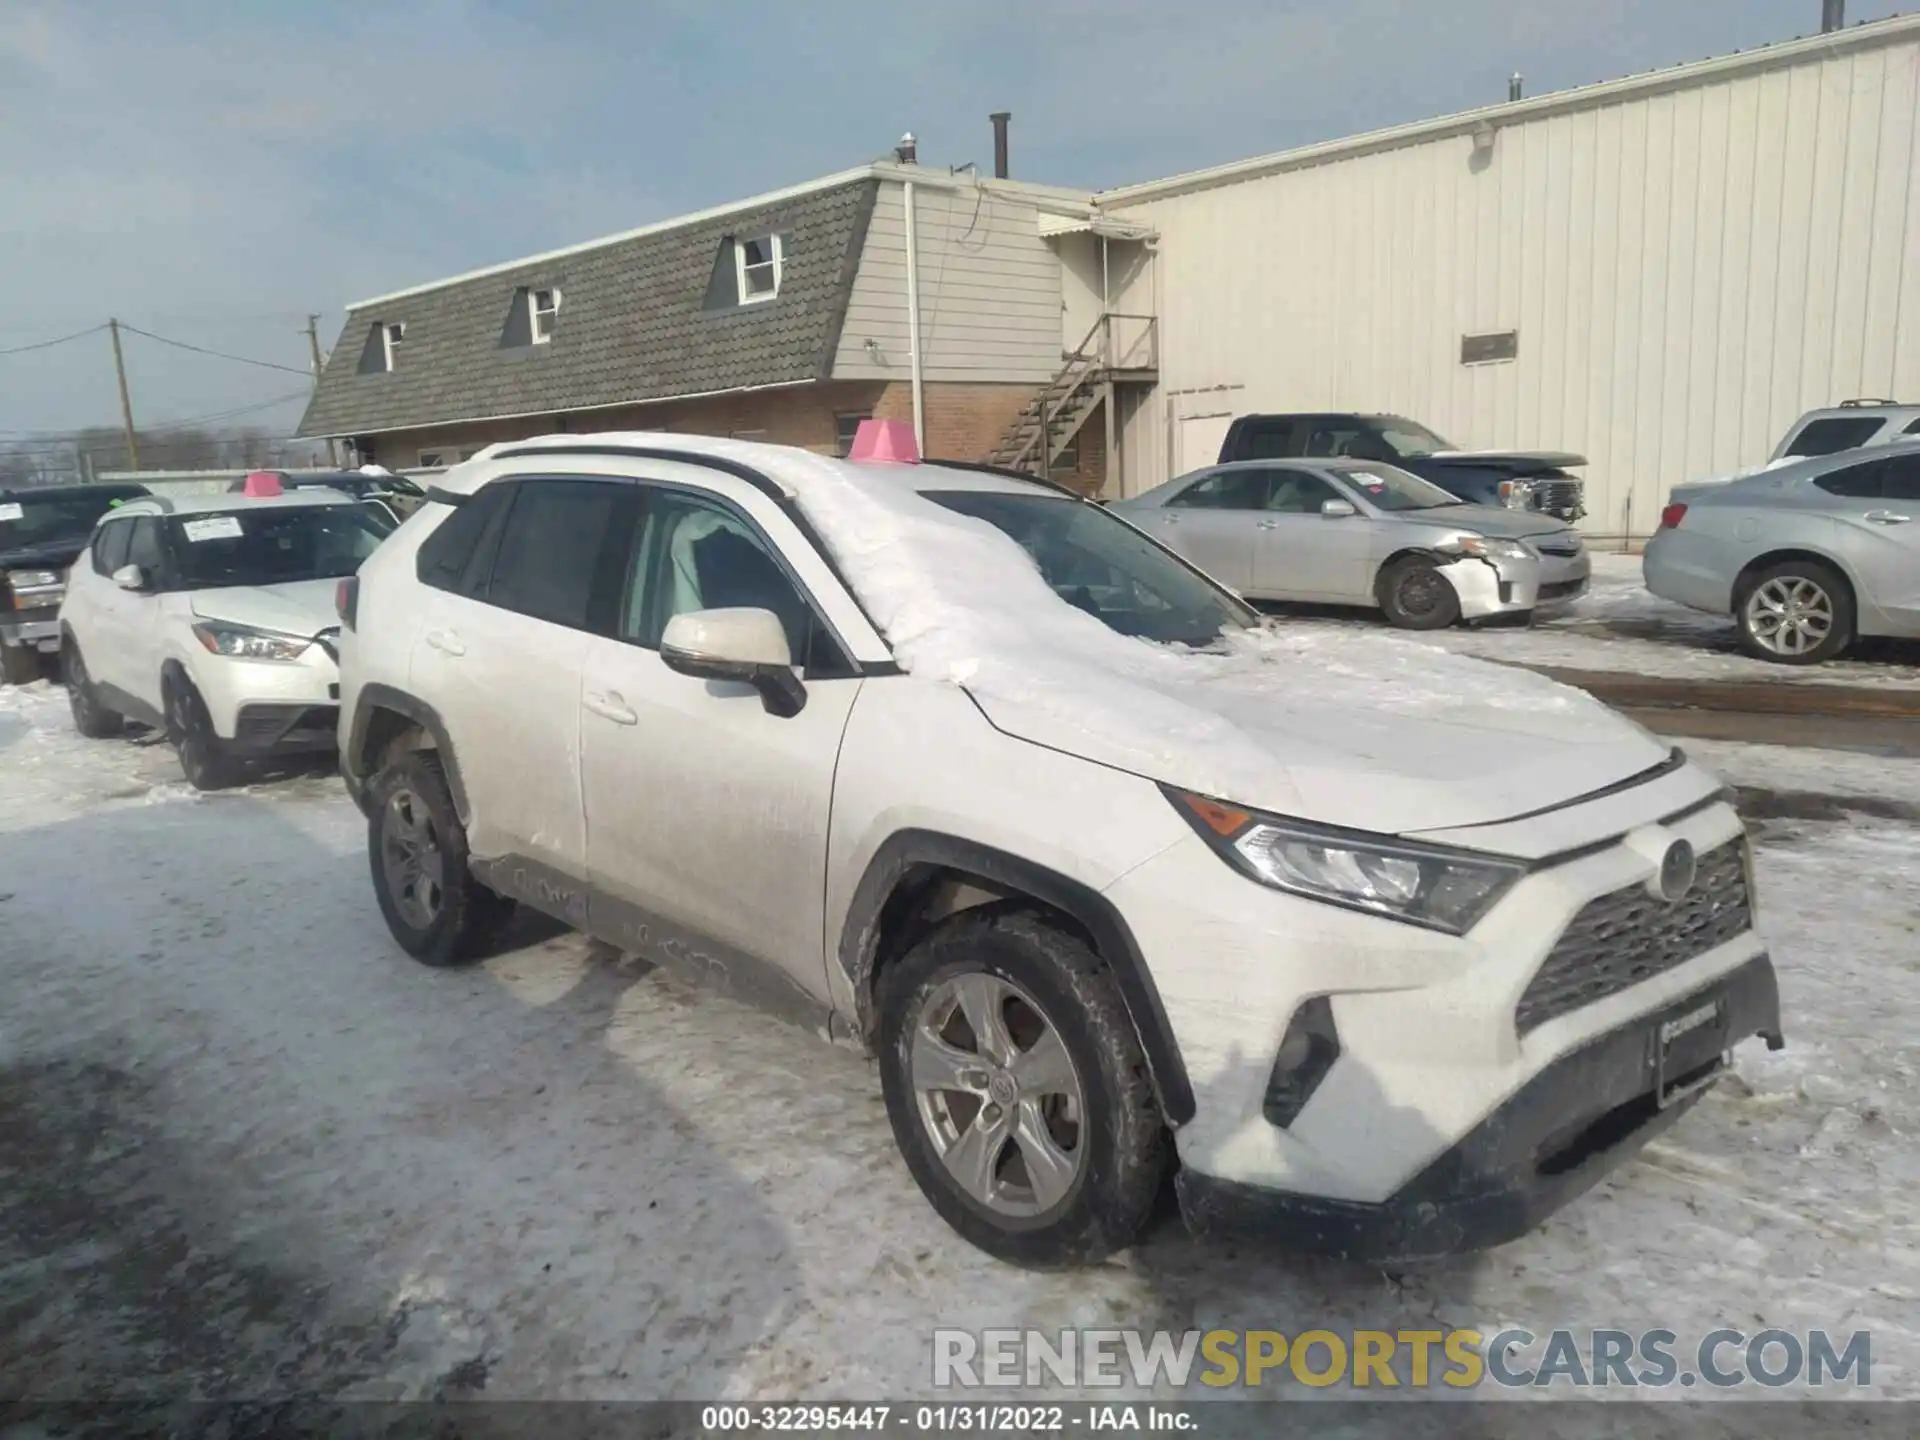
1677,871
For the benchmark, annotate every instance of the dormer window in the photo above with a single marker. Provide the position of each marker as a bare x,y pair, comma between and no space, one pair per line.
390,337
757,264
542,306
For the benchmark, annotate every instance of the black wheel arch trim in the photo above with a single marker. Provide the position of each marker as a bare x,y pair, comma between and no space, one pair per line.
905,850
376,697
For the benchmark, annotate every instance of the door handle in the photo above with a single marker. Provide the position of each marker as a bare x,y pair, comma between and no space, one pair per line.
1887,517
1169,517
1268,525
610,707
446,642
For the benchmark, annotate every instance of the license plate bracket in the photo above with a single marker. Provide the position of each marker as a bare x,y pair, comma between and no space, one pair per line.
1690,1049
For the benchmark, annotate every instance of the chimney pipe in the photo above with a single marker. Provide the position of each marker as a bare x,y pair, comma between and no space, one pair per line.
1516,85
907,152
1833,15
1000,119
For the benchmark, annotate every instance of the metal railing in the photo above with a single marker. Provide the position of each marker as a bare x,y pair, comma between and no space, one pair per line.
1116,342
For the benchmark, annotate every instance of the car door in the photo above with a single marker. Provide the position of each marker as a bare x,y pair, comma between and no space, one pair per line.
1211,522
138,612
104,611
1876,507
500,655
706,813
1302,553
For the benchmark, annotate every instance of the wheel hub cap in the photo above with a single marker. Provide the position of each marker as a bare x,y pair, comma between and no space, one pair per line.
1790,615
411,858
998,1095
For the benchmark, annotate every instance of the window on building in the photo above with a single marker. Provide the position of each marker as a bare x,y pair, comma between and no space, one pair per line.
390,338
846,428
542,306
1069,457
432,459
757,264
1832,435
746,434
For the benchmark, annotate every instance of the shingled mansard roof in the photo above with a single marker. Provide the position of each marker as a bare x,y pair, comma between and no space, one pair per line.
634,323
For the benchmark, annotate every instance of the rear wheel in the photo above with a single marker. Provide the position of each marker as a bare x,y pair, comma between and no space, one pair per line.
1416,596
19,664
90,717
1798,612
417,848
203,755
1017,1090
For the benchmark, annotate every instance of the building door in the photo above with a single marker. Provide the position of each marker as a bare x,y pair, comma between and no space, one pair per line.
1197,440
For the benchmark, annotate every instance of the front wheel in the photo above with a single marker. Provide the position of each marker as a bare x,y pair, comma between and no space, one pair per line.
19,664
417,848
1416,596
1798,612
203,755
92,719
1017,1090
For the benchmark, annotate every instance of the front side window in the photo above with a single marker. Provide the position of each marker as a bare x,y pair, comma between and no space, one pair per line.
1832,435
1407,440
146,549
757,264
1105,567
1388,488
1295,492
1227,490
272,545
1349,439
110,546
542,307
552,548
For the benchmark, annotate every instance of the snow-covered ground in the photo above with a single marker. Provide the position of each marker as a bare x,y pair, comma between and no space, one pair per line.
245,1144
1619,625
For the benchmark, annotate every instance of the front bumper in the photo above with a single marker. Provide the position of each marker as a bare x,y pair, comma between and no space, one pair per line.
1554,1139
38,629
264,730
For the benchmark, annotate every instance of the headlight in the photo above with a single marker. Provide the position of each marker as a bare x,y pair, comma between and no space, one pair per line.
242,643
1491,549
1427,885
1516,494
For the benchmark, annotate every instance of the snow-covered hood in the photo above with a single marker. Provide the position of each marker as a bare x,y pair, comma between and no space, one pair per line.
298,607
1514,462
1494,520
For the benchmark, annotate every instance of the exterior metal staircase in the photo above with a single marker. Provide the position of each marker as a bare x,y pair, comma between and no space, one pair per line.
1118,350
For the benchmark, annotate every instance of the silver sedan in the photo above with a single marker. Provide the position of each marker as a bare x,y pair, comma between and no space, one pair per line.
1805,557
1362,532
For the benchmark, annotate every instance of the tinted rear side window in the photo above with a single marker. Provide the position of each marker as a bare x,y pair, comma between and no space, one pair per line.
1856,482
1830,436
1265,440
553,549
110,546
443,555
1900,478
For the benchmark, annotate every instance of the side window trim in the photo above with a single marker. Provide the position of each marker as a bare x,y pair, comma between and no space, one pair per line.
845,666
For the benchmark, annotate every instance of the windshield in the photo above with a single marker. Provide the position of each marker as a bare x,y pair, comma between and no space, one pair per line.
1386,488
26,520
1107,568
274,546
1410,441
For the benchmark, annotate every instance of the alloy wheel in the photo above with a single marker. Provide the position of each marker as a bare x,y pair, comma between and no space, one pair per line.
1789,615
999,1095
1421,591
412,860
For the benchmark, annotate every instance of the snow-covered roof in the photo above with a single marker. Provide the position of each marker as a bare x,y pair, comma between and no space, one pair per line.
228,503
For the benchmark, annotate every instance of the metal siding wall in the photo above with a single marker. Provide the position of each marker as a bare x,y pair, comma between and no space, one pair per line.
1689,270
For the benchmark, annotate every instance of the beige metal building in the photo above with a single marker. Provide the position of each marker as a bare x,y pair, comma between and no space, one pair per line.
1677,264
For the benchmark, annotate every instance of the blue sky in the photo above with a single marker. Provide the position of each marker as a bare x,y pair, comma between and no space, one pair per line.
214,171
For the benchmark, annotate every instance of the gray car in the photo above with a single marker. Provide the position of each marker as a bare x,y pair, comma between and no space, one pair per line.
1806,557
1362,532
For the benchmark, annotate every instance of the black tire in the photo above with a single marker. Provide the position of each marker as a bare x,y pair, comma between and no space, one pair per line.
204,759
1805,578
1416,596
92,719
459,922
19,664
1121,1145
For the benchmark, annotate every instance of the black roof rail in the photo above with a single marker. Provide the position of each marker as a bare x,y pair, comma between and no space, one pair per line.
738,469
1008,473
1856,404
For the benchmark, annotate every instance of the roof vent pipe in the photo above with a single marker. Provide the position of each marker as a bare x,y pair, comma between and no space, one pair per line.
1516,85
1833,15
907,152
1000,119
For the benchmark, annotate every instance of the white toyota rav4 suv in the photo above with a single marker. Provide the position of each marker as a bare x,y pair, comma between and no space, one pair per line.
1396,951
213,618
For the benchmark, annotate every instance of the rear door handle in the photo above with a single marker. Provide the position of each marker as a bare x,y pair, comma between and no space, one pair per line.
1269,524
446,641
610,707
1887,517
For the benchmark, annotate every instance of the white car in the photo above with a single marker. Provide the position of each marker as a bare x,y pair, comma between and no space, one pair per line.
1396,951
213,618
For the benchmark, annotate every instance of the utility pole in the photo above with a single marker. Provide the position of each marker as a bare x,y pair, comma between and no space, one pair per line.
126,405
313,346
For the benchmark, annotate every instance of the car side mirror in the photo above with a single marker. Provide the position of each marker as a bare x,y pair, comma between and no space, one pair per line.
130,577
745,645
1338,509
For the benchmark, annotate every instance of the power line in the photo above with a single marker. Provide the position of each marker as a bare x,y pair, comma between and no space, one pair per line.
238,410
200,350
48,344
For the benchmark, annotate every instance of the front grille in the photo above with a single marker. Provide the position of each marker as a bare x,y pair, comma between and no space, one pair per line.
1559,589
1564,546
1621,939
1558,497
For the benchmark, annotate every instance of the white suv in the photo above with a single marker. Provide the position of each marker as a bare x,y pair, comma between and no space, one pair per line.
1396,950
213,618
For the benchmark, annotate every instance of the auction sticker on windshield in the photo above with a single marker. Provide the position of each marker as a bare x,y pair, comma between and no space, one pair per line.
13,512
213,527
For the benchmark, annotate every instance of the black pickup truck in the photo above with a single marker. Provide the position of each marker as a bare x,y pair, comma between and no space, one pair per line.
1517,479
43,530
